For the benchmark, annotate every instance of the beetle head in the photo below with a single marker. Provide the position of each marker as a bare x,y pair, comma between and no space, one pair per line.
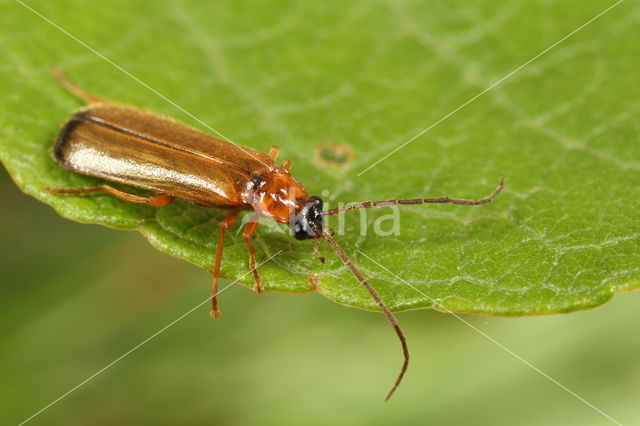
308,223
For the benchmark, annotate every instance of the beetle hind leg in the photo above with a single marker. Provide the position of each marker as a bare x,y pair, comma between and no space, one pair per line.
249,230
152,200
75,89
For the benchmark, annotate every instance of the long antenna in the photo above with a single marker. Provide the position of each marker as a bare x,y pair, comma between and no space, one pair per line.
347,261
437,200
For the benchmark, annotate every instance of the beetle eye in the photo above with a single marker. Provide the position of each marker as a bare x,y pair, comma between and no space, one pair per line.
298,231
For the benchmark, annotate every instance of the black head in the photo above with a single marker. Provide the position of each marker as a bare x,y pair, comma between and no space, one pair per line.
309,222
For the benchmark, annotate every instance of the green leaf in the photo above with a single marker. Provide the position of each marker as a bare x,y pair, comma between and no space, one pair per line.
563,235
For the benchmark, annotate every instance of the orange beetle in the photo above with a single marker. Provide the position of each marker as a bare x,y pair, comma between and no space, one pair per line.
124,144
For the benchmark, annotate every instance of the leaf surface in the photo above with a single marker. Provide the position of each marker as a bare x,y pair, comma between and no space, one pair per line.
562,130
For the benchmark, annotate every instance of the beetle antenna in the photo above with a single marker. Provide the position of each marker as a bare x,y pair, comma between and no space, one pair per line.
347,261
395,202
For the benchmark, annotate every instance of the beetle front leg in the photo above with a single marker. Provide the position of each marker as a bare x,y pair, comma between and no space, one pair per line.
249,229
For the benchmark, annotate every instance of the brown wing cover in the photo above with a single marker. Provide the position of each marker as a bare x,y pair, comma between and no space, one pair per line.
128,145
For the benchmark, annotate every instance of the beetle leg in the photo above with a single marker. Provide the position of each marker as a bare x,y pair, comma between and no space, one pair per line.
74,89
273,152
286,164
153,200
316,251
249,229
228,221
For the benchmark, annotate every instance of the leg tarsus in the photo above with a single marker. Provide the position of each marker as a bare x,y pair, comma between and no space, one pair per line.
75,89
316,251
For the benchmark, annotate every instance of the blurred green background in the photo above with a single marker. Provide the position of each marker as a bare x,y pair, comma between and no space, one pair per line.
75,297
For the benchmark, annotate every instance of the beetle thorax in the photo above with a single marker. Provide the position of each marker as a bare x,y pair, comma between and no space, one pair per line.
277,195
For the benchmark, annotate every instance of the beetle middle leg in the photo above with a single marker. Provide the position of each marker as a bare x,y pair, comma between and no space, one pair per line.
249,229
153,200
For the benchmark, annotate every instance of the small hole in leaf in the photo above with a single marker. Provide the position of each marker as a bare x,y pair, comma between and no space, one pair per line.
334,155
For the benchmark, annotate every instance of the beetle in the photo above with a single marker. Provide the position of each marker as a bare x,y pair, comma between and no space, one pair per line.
127,145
